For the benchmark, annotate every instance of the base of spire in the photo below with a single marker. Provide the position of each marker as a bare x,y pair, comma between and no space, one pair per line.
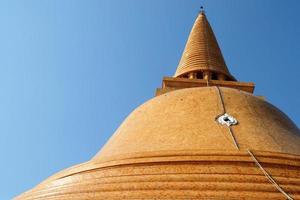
171,83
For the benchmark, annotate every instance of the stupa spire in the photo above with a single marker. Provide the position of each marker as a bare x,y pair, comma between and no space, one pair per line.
202,57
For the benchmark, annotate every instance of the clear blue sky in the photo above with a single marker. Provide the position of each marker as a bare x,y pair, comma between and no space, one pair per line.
71,71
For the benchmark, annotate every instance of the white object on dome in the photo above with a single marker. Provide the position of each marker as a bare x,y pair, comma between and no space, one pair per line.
227,120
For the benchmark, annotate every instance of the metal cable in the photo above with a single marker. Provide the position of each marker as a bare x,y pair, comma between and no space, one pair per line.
233,138
229,128
269,177
221,98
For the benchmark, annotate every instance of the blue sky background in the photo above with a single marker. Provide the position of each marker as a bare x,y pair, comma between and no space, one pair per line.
71,71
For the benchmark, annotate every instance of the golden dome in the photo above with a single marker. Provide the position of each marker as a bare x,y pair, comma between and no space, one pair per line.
211,138
186,120
172,147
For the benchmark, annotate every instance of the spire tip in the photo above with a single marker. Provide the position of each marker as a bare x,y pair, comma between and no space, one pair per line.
201,10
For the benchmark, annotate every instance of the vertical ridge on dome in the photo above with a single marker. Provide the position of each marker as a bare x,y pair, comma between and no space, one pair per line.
202,52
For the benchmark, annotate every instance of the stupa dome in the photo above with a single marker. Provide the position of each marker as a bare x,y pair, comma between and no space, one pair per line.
185,120
173,147
204,136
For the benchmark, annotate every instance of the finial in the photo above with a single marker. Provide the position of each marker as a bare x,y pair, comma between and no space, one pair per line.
201,10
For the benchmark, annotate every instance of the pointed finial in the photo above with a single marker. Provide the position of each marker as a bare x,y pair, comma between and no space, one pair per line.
201,10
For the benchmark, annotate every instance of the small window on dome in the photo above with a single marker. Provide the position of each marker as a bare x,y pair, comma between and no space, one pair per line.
184,76
214,76
199,75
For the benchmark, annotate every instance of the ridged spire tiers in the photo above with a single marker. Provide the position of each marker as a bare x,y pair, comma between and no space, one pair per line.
202,63
202,53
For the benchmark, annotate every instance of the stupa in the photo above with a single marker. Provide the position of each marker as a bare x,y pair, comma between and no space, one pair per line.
204,135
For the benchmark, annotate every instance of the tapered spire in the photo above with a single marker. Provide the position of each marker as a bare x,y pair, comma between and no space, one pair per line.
202,57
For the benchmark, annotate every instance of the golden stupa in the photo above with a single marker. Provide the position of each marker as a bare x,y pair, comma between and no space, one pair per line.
204,136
